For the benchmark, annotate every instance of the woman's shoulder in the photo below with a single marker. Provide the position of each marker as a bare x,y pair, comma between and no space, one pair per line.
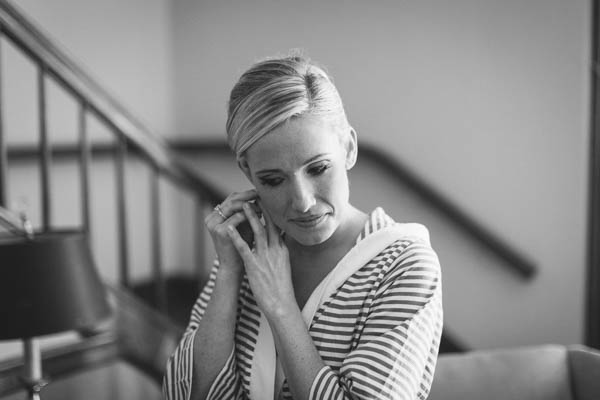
380,223
408,244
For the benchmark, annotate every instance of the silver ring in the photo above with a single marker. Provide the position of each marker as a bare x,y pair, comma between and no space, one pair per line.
219,210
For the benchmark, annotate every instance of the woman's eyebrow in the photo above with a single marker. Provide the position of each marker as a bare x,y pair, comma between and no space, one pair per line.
271,170
267,171
315,158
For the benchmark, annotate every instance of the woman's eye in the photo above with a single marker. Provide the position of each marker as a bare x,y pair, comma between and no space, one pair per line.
319,169
271,181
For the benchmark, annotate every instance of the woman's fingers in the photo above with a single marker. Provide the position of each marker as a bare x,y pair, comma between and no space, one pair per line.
260,238
239,244
230,206
213,222
272,230
235,201
235,219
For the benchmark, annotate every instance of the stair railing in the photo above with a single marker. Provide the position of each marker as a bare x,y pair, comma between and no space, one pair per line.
132,137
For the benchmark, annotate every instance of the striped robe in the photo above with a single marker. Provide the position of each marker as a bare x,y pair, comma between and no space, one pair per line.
378,334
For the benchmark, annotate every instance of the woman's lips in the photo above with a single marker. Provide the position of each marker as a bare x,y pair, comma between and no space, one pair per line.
309,221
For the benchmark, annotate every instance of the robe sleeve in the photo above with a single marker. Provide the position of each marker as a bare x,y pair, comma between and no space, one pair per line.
177,381
397,351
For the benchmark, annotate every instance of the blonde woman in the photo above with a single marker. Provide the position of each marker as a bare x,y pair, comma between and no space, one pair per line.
323,301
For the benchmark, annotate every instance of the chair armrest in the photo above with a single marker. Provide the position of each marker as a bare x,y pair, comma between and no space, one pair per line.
584,365
533,373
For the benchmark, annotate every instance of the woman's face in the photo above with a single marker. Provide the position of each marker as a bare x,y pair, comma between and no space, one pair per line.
300,173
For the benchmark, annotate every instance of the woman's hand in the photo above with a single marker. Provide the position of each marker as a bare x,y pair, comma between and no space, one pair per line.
231,215
267,266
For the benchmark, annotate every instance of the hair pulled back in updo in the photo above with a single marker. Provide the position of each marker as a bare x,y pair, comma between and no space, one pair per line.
275,91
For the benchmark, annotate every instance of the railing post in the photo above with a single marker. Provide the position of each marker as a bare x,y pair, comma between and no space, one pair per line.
123,242
160,288
44,150
84,171
3,147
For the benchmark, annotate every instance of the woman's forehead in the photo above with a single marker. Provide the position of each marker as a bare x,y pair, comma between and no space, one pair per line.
293,144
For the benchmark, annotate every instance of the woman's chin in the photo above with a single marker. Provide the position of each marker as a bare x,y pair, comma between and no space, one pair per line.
310,237
309,241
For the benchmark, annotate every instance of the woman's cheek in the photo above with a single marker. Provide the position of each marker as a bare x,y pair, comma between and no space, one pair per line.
271,203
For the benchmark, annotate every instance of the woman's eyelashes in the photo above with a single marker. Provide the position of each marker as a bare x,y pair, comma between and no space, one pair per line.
313,170
270,181
318,169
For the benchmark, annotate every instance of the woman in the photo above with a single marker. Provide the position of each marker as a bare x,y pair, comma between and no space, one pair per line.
322,301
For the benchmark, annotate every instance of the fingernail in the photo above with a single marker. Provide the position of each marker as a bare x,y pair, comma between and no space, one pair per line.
246,205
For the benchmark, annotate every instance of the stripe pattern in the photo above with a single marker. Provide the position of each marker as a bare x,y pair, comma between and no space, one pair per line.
378,335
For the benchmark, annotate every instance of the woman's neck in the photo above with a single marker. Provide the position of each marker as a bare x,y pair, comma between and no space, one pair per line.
342,240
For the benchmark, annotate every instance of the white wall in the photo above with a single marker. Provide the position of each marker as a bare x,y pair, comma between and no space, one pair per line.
126,45
486,100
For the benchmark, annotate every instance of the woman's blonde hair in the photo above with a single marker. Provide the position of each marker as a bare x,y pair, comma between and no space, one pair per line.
276,90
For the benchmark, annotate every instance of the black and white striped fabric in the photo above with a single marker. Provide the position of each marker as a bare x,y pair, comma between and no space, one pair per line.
378,334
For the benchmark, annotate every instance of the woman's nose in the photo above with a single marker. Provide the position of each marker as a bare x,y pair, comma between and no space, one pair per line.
302,196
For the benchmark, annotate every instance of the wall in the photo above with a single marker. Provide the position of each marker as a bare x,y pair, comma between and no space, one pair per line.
126,45
485,100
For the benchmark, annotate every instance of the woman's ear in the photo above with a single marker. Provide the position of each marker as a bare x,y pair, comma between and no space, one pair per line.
351,148
243,164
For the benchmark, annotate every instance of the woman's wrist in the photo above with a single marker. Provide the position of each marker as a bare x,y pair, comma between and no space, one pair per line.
283,312
228,283
230,273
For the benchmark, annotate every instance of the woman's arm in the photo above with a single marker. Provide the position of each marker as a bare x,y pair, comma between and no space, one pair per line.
397,350
214,337
298,355
201,358
202,366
